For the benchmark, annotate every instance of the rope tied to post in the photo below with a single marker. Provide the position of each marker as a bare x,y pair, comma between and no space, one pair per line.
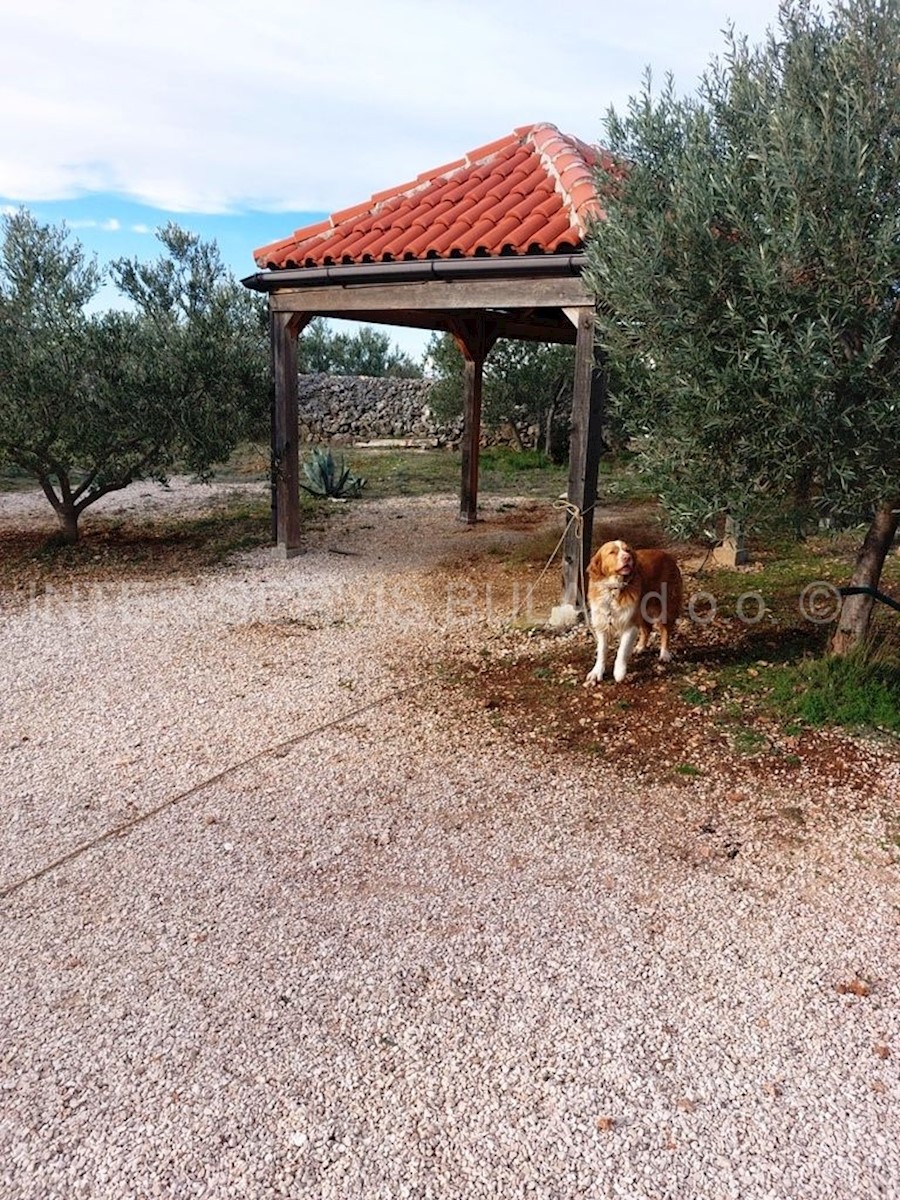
576,517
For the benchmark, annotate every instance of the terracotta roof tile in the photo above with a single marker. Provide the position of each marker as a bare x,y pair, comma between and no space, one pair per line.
558,228
531,192
446,169
492,148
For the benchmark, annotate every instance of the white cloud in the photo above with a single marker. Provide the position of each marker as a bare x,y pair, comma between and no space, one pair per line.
110,225
191,106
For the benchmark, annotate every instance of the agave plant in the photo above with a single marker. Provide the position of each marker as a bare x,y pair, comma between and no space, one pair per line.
329,478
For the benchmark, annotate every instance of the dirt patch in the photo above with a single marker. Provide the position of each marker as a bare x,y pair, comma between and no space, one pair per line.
648,725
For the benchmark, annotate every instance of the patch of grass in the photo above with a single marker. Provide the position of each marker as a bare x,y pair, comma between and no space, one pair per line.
406,472
401,472
523,472
859,691
506,460
748,740
688,769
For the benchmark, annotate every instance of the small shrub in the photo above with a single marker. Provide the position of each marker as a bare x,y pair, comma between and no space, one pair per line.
325,477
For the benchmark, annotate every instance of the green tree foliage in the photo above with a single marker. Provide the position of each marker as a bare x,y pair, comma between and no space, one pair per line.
365,352
748,275
90,402
525,384
212,335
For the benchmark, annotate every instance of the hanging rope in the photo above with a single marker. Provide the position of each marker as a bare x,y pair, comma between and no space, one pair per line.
576,518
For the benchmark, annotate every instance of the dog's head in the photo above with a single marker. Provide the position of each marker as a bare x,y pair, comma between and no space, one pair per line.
613,561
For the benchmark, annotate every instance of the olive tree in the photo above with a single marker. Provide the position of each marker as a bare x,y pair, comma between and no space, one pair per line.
91,401
366,351
525,384
748,275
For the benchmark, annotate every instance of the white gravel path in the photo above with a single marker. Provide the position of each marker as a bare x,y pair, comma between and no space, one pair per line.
399,957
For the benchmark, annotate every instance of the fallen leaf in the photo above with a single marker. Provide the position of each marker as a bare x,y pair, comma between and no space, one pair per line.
686,1105
773,1088
605,1124
882,1051
879,1087
853,987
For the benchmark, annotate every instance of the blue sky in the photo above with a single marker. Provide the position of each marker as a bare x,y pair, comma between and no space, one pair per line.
243,122
112,227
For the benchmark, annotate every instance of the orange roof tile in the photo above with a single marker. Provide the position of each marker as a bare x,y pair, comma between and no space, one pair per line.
531,192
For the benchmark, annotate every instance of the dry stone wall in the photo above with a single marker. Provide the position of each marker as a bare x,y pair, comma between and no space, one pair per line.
355,408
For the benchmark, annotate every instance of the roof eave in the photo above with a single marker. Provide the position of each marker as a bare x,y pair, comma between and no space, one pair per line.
538,266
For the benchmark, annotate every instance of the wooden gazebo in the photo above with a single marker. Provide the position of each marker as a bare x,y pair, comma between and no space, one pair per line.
489,246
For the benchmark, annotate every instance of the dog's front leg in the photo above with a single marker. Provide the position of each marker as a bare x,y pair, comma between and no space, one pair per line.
665,654
596,674
626,644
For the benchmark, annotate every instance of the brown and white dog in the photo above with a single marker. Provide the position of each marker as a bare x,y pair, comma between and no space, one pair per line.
631,592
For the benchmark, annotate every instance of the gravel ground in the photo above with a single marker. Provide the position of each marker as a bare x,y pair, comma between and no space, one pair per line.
316,929
28,509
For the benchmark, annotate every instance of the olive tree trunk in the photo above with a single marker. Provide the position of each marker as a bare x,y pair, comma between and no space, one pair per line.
856,611
68,524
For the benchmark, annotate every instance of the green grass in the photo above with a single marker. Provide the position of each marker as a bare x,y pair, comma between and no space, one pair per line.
810,689
420,472
749,741
857,692
501,469
505,460
405,472
781,665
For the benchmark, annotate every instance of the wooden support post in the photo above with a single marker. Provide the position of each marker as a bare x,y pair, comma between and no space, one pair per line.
471,441
284,328
474,339
585,447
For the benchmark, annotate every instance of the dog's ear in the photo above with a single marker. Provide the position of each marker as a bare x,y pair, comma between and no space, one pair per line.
597,568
